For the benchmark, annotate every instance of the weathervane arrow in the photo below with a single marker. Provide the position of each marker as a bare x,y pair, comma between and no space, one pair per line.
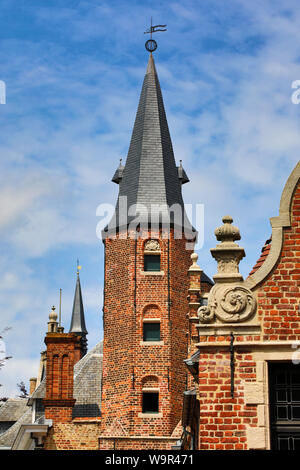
153,29
151,45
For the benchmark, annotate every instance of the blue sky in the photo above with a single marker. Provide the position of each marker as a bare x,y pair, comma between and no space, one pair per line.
73,72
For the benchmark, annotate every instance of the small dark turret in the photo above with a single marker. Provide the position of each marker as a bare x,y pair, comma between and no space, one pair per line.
118,173
78,320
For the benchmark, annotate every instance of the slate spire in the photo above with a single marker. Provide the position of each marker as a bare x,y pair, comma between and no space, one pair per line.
150,175
78,320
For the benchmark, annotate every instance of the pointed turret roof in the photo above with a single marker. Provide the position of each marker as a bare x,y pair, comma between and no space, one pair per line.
78,321
150,175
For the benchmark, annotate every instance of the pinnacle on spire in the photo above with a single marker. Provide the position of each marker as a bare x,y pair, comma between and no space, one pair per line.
150,176
78,320
118,173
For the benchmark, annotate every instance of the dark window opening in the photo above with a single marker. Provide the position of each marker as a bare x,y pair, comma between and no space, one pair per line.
151,262
284,386
150,402
39,407
151,331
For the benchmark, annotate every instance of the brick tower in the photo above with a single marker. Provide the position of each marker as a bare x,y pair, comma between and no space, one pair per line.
145,296
64,350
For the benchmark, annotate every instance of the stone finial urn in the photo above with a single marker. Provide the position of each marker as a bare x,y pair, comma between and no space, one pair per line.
230,301
227,253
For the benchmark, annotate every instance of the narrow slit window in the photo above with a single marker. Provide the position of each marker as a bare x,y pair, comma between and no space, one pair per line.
152,263
150,402
151,331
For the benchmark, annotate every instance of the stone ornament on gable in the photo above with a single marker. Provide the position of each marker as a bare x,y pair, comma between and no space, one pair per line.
152,245
230,304
229,265
230,301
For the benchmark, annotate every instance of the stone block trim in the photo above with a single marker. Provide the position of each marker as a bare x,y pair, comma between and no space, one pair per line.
256,438
254,393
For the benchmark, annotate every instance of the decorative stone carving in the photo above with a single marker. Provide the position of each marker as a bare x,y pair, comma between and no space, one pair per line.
228,254
227,232
234,303
194,274
229,303
228,265
52,323
205,314
152,245
194,267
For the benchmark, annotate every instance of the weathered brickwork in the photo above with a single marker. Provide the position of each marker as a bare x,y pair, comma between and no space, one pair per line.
238,364
72,436
223,419
130,364
136,443
228,407
63,351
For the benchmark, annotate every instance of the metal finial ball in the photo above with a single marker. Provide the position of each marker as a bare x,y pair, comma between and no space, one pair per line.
151,45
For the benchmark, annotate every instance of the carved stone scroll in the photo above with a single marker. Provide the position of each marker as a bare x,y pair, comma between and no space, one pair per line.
234,304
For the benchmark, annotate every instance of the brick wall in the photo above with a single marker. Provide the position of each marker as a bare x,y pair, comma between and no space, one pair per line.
62,351
128,362
242,422
73,436
223,419
279,296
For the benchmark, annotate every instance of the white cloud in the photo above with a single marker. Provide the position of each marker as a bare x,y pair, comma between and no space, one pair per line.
15,200
15,371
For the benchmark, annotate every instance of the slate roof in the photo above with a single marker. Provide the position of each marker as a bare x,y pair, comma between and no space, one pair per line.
150,175
8,437
87,384
77,320
193,359
189,399
12,409
87,391
206,279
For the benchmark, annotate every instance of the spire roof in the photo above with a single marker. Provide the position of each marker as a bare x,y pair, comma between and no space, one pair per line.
78,321
150,175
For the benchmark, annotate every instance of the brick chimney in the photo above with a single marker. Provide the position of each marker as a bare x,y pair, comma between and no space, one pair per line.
62,354
32,385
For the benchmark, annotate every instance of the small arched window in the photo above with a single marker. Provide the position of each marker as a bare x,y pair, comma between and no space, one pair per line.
150,395
151,324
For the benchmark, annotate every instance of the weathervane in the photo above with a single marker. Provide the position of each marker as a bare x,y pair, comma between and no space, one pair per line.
78,266
151,44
